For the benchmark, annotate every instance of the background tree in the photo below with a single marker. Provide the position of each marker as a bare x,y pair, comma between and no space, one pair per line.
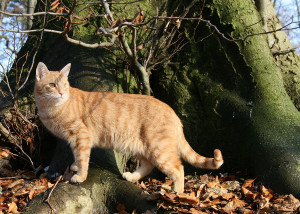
234,84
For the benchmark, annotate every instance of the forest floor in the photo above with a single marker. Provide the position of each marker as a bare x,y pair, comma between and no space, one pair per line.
203,194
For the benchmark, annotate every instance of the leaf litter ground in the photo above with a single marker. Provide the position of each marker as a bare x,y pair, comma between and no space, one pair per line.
203,194
219,194
18,187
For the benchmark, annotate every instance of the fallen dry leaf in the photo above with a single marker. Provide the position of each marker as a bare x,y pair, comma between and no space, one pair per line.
31,194
185,198
267,193
166,187
209,203
171,197
12,207
194,211
4,153
201,190
15,183
228,196
213,184
142,185
248,183
233,205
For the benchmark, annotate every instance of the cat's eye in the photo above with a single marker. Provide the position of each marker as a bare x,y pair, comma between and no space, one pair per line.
52,85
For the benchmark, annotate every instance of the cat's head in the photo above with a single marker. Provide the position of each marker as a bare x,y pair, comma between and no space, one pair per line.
52,85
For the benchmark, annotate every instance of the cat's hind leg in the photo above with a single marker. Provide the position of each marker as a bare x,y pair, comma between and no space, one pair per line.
174,170
144,169
167,160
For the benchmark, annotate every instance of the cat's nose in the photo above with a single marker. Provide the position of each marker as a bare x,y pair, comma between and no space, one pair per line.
61,93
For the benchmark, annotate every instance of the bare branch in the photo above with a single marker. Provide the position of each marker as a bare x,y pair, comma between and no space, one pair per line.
100,2
32,31
77,42
143,74
107,10
33,14
134,43
152,42
94,45
8,85
47,200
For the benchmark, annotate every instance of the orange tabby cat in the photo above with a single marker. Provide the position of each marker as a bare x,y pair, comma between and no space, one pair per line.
135,124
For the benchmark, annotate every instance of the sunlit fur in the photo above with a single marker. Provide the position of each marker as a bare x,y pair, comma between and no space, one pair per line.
129,123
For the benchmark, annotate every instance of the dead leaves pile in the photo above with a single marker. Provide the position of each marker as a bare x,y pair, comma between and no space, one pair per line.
18,189
227,194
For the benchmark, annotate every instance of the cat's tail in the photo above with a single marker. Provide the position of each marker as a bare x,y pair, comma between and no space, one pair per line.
193,158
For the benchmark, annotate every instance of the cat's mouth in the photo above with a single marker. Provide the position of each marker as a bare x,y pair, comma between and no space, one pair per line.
62,97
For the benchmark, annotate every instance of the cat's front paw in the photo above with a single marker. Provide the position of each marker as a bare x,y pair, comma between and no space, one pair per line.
132,177
74,167
77,179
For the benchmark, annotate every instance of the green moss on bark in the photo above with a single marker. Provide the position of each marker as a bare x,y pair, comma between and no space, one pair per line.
240,102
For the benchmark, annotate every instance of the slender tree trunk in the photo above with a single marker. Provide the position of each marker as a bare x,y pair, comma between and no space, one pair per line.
3,5
30,9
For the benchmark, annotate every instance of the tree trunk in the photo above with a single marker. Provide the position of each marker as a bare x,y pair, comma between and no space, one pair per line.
30,9
3,6
234,96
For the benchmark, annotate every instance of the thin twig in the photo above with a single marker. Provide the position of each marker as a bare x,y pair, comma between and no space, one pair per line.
152,42
32,31
286,51
134,44
33,14
100,2
94,45
8,178
50,193
143,74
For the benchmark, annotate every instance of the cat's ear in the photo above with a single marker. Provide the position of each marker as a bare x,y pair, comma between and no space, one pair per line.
66,70
41,71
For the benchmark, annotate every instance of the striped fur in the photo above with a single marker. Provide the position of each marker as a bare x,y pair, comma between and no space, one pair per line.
129,123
